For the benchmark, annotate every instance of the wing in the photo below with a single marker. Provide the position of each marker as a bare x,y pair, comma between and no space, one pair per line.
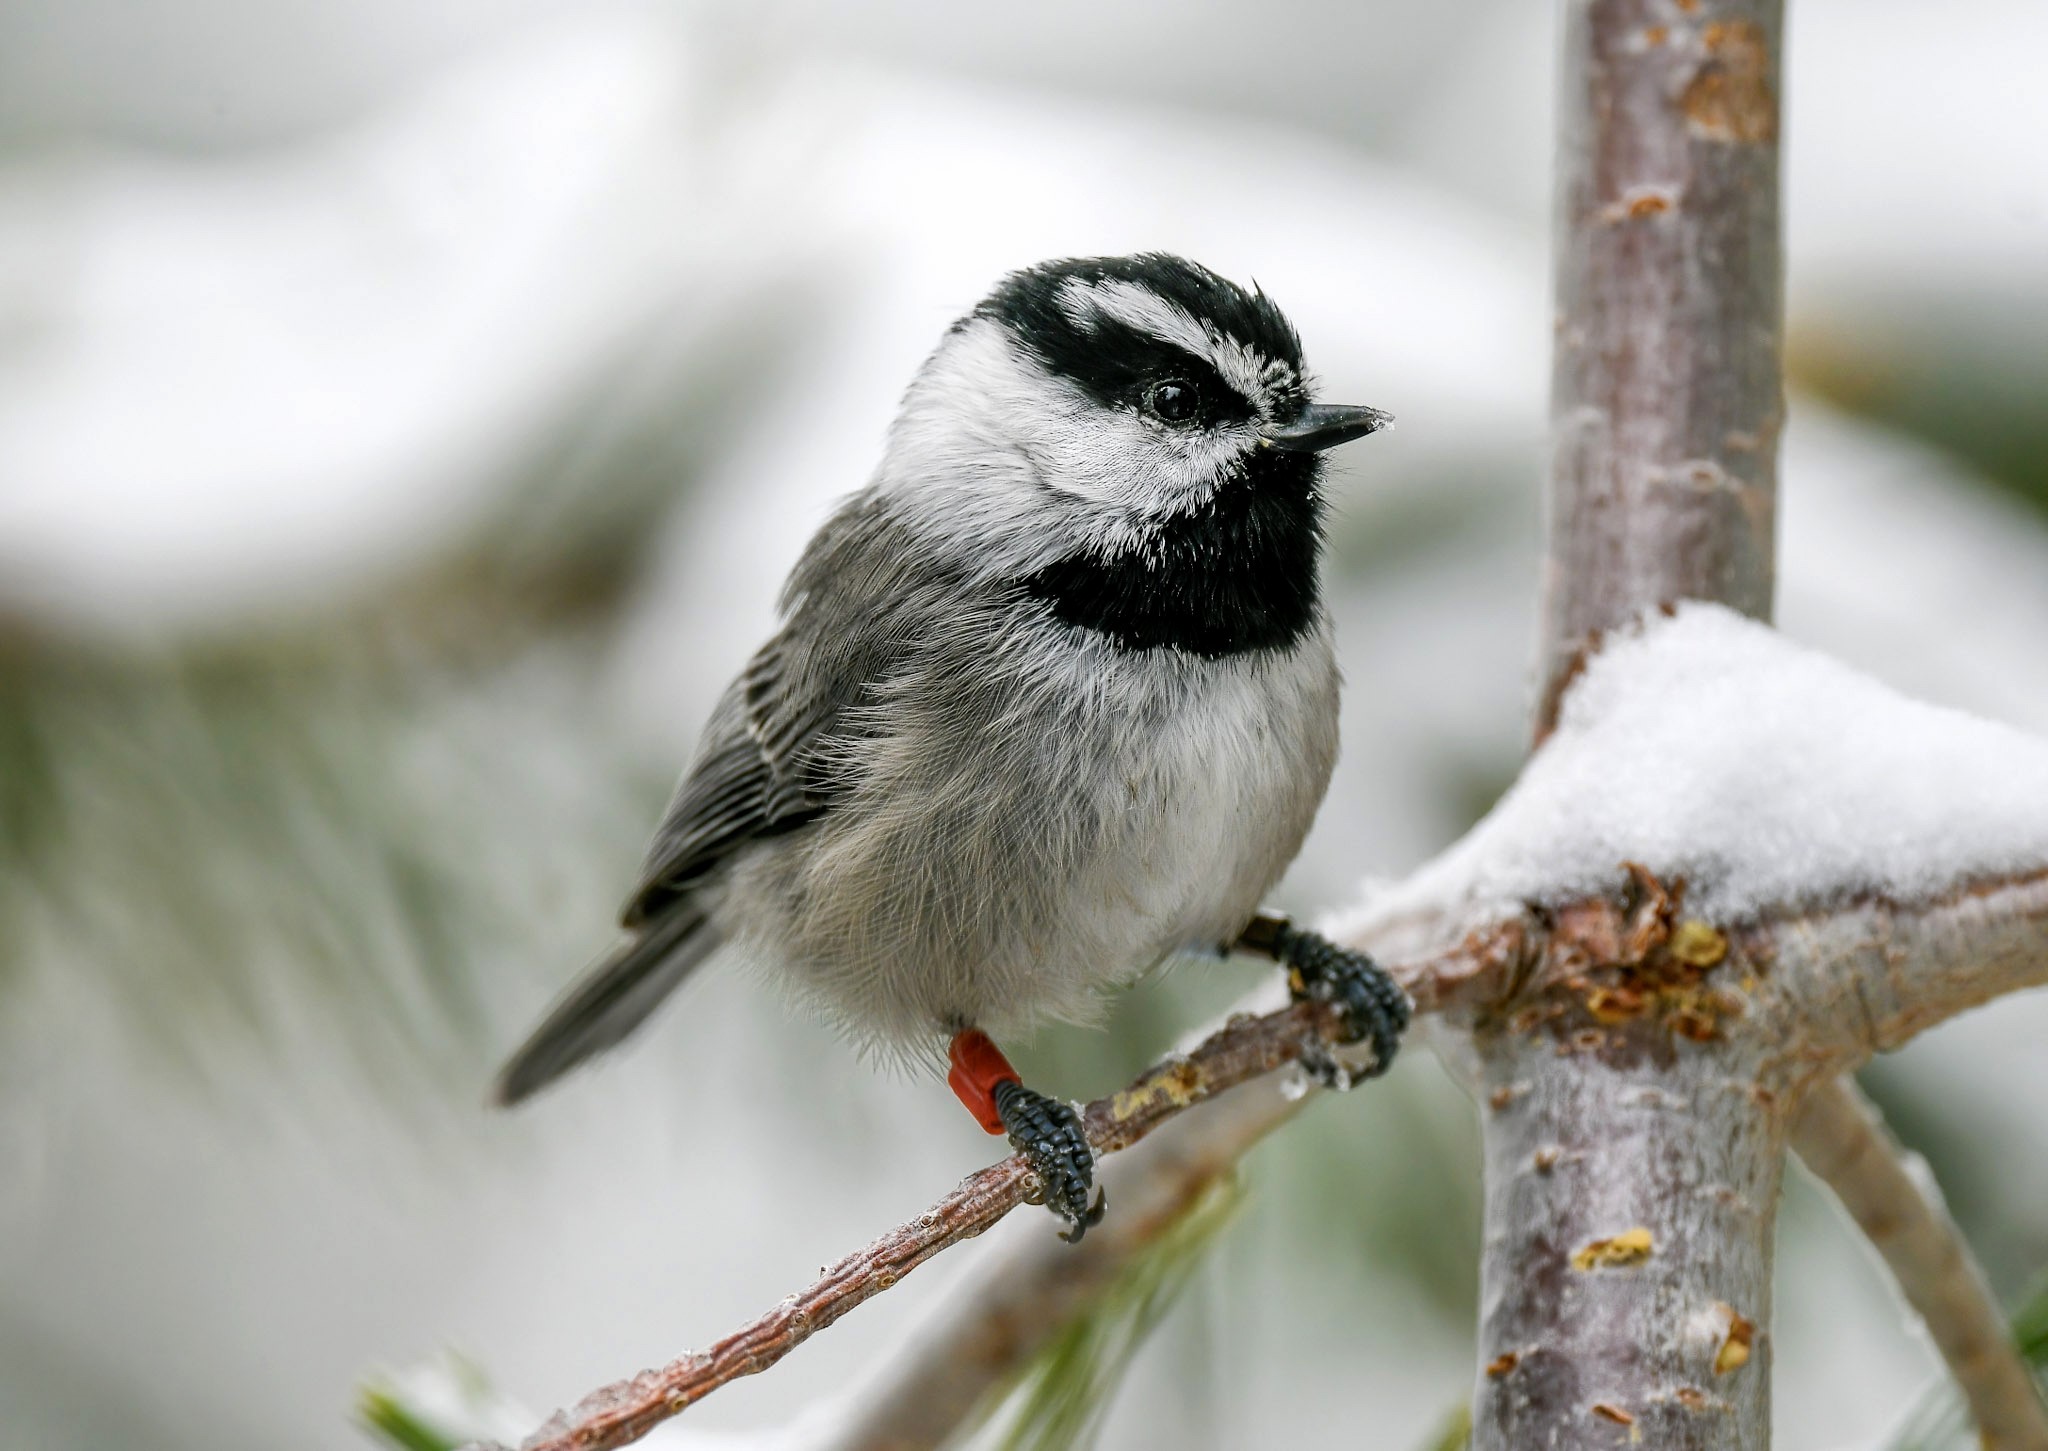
771,754
754,776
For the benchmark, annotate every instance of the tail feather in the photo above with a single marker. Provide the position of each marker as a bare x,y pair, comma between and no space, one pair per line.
608,1002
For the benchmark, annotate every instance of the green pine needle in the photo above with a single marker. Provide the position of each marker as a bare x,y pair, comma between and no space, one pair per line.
440,1405
381,1413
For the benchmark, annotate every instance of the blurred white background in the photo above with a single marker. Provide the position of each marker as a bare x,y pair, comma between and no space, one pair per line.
407,414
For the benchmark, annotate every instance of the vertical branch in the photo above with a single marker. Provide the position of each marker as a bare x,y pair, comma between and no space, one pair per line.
1627,1272
1632,1179
1667,395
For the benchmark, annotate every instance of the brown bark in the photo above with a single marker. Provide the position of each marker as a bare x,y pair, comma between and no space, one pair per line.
1667,402
1844,1142
1639,1085
1667,396
1632,1198
1609,1124
996,1324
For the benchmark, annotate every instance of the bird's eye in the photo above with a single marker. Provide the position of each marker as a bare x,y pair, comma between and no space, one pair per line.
1172,400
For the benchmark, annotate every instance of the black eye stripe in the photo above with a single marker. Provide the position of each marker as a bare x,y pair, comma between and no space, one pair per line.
1114,361
1249,317
1153,359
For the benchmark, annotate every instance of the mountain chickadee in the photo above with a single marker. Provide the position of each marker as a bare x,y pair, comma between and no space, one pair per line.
1053,699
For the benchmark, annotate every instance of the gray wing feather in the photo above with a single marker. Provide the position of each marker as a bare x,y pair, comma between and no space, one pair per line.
857,604
754,776
765,767
747,783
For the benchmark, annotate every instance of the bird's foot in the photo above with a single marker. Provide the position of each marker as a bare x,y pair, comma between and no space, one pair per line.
1370,1003
1046,1132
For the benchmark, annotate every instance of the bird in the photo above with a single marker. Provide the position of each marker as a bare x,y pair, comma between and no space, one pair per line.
1053,699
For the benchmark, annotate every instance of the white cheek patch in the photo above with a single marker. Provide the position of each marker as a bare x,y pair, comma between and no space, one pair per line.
1144,471
1021,467
1138,307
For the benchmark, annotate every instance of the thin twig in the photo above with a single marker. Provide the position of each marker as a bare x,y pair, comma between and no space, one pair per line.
994,1324
1243,1049
1841,1137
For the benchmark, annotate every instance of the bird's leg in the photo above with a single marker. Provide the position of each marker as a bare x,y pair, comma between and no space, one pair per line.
1372,1003
1045,1131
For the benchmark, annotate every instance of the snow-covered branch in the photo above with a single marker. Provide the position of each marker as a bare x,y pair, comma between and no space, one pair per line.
1746,868
1632,1153
1841,1138
1821,869
1874,863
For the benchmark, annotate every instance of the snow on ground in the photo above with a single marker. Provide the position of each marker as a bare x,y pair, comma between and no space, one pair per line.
1711,747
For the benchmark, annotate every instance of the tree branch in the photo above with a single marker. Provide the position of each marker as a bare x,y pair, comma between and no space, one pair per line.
1243,1049
1873,975
1841,1137
1637,1087
994,1324
1667,394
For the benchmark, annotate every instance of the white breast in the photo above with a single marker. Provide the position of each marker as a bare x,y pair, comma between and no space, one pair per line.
1041,823
1224,791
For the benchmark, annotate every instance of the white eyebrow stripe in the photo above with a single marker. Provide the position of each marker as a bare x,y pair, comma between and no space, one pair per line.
1147,311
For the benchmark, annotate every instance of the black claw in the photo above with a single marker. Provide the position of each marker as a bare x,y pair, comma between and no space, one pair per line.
1372,1004
1048,1133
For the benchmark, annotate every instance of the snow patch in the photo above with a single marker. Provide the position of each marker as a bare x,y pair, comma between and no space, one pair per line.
1708,746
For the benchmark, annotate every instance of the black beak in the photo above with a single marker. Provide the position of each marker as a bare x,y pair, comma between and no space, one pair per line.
1325,425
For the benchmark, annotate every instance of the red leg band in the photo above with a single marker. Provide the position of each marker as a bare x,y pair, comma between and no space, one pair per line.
978,1067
